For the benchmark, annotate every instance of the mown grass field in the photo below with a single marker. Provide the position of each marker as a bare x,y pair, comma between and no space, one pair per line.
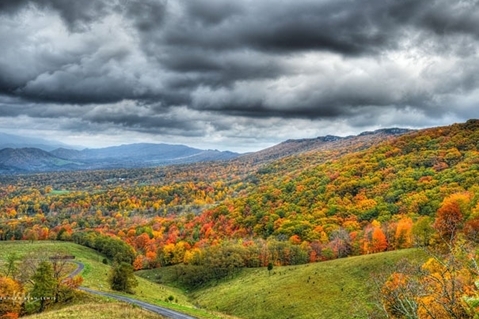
95,274
334,289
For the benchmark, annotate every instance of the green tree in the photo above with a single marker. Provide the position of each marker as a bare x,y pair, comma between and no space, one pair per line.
423,231
10,266
122,278
43,291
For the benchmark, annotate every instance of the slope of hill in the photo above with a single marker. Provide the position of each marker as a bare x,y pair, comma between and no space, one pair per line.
323,143
334,289
313,194
32,160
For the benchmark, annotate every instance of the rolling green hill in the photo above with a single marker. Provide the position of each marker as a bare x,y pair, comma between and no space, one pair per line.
339,288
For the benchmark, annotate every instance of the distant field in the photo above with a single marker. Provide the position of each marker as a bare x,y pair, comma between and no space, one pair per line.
59,192
95,274
332,289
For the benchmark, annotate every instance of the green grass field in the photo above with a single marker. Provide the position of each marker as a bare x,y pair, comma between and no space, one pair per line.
59,192
333,289
95,274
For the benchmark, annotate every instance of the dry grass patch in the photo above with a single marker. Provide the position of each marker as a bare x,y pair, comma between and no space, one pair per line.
107,310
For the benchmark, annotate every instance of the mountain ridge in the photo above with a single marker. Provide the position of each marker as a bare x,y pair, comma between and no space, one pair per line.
297,146
19,160
157,154
17,141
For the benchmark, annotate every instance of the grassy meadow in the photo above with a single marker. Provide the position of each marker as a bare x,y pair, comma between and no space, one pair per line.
333,289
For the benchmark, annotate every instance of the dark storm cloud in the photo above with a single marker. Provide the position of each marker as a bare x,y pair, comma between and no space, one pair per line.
147,15
340,26
76,14
256,59
449,17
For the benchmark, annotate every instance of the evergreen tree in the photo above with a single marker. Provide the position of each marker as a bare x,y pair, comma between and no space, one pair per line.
43,291
10,266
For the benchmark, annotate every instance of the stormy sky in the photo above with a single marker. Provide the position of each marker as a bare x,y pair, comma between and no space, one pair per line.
234,75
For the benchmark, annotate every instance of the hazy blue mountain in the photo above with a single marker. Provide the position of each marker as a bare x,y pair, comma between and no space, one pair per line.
32,160
124,156
141,151
16,141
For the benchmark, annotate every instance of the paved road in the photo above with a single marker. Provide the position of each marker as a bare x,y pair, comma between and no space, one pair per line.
154,308
157,309
78,270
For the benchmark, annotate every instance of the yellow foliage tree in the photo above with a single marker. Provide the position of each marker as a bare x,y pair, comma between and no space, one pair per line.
11,298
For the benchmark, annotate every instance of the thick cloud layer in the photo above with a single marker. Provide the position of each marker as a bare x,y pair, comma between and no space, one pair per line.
241,74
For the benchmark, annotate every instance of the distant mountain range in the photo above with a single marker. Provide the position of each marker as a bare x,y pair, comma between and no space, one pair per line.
25,155
15,141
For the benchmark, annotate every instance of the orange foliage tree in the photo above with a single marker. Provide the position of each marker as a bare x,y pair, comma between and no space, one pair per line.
449,220
403,235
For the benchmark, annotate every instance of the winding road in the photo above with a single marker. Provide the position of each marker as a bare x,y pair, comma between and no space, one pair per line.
78,270
157,309
147,306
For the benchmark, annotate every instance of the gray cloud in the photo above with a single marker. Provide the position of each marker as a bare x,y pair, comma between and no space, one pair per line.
195,68
76,14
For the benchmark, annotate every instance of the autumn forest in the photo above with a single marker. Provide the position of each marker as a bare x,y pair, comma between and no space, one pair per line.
370,194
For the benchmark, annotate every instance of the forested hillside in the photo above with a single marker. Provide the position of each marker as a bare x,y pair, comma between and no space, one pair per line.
358,196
